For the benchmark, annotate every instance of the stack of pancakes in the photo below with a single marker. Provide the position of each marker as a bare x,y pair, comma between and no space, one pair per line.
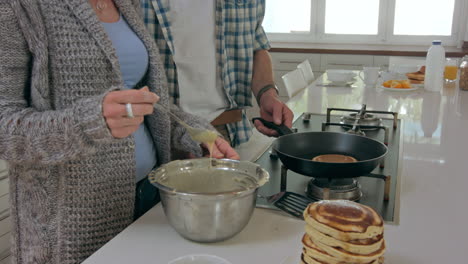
417,77
340,231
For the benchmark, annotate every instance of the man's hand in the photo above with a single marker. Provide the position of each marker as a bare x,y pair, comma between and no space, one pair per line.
273,110
222,150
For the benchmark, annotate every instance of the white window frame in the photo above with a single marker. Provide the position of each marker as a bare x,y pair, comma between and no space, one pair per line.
385,34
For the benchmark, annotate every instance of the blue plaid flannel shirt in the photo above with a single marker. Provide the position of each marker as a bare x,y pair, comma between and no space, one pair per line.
239,33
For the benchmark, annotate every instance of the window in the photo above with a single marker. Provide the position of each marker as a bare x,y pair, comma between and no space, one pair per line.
436,19
337,11
294,18
366,21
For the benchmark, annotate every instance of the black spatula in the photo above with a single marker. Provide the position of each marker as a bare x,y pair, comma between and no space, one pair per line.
292,203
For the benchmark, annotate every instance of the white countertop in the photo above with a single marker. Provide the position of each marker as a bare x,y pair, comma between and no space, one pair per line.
433,200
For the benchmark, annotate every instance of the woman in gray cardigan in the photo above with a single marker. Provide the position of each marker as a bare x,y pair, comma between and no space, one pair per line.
70,141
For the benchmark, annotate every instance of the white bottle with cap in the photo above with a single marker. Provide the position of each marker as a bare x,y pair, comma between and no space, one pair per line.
435,65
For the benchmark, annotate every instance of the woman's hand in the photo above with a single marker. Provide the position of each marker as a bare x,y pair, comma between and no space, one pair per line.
222,150
115,113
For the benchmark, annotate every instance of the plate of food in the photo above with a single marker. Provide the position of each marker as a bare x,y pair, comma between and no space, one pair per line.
399,85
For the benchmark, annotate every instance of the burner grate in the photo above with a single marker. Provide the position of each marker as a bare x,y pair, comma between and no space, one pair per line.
335,184
332,189
394,114
366,120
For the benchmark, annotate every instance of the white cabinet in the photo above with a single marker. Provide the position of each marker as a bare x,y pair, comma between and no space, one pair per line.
389,62
346,62
382,62
288,61
416,61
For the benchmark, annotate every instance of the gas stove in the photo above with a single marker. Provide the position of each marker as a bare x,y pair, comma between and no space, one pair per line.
378,189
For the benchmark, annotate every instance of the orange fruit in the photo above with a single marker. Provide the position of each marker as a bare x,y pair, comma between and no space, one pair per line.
395,84
405,84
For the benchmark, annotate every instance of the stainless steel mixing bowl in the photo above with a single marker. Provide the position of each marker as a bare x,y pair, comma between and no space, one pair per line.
213,216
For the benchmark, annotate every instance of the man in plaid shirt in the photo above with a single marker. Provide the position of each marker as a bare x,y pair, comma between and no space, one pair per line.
215,55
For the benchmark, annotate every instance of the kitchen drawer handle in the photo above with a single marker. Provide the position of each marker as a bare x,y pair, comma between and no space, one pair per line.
283,61
345,64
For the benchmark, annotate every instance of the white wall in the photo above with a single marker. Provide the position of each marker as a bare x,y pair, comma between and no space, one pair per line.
465,9
466,30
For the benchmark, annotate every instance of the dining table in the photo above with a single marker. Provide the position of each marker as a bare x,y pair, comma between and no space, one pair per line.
432,197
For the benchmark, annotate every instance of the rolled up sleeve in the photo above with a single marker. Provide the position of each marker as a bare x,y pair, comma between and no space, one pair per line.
261,40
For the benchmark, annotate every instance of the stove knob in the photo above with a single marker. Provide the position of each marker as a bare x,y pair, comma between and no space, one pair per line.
273,154
306,117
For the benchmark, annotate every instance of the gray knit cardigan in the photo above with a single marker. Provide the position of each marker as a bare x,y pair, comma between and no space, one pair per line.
72,184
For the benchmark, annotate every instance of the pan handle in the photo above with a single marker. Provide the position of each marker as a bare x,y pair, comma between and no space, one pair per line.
281,129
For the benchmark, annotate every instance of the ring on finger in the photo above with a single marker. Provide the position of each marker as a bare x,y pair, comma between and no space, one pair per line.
128,107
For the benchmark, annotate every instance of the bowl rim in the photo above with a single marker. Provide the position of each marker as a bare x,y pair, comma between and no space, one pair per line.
214,195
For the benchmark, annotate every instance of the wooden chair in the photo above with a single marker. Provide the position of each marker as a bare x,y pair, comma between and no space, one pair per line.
306,71
294,82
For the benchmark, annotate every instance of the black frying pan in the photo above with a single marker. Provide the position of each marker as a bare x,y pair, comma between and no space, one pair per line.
296,151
